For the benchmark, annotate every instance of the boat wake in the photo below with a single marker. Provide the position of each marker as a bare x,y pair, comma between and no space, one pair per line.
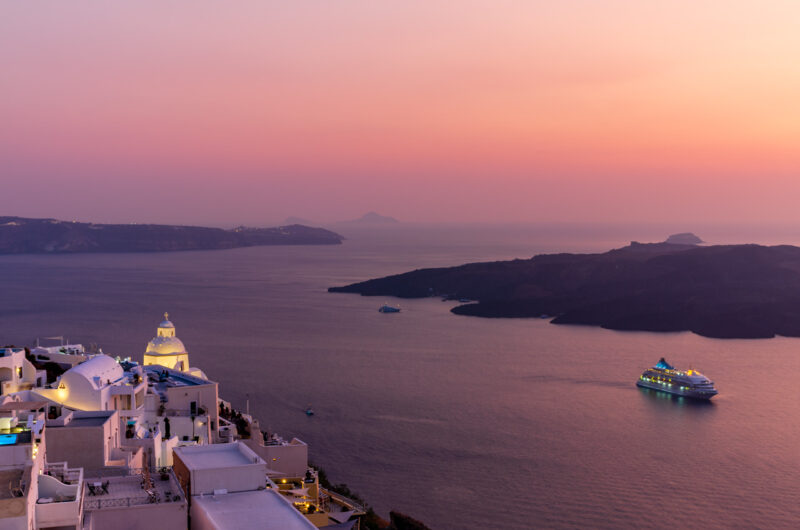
405,419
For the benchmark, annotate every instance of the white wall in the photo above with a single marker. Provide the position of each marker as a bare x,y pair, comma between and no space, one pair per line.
241,478
291,460
161,516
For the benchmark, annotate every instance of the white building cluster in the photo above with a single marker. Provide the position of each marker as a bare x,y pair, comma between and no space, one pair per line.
112,443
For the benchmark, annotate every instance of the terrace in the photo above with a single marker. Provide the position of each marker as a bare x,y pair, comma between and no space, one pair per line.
11,483
9,351
160,377
59,502
136,489
18,444
14,436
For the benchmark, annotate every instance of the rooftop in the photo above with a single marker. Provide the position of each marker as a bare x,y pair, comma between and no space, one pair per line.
22,405
14,436
94,418
95,421
10,480
163,377
216,456
262,509
130,490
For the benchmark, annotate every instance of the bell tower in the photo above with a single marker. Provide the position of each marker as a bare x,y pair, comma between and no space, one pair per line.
166,328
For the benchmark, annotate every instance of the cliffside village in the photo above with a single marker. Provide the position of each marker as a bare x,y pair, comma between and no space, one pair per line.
91,442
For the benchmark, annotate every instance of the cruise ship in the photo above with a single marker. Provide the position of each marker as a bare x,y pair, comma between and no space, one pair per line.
690,383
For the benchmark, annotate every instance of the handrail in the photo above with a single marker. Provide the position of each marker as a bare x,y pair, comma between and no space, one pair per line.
346,500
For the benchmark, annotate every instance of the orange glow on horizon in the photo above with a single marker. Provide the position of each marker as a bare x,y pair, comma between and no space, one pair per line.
516,98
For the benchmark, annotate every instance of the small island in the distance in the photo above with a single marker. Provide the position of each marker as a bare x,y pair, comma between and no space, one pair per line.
373,218
19,235
722,291
684,238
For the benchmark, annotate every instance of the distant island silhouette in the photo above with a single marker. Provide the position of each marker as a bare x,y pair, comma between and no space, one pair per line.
685,238
722,291
19,235
292,220
373,218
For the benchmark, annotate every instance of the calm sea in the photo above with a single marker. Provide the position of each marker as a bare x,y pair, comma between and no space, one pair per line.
460,422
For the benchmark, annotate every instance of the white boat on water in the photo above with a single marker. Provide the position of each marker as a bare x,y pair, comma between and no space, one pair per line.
666,378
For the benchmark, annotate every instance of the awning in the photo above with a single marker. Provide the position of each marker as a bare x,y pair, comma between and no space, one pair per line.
341,526
340,516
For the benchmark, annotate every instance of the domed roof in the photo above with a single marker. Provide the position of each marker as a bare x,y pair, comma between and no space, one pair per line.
166,323
96,371
165,341
165,346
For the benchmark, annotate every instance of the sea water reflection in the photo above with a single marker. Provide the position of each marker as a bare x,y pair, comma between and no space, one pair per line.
461,422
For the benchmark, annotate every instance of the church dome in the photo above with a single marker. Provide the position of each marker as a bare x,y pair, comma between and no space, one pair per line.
165,346
165,342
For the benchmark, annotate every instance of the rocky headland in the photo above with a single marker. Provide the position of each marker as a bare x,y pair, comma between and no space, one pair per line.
723,291
372,218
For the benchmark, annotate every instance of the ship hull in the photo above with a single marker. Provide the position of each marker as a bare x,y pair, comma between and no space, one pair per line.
689,393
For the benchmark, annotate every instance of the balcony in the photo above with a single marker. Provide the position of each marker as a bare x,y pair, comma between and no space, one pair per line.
60,490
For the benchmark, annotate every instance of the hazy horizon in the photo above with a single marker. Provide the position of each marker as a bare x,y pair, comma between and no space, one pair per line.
502,111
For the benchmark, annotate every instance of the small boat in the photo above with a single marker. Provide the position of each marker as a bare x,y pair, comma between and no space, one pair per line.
309,411
386,308
464,300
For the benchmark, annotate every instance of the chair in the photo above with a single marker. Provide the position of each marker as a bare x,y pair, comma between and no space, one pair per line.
92,492
105,487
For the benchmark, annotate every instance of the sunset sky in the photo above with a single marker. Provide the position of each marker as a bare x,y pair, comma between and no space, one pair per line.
496,110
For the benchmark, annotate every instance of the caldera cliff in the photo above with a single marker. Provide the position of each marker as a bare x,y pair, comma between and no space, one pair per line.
19,235
724,291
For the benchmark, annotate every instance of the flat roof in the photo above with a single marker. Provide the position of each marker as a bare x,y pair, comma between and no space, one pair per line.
172,378
257,510
93,418
10,478
130,490
13,437
22,405
10,351
94,421
214,456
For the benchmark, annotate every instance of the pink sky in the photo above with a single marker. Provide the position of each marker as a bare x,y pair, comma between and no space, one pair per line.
582,110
